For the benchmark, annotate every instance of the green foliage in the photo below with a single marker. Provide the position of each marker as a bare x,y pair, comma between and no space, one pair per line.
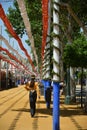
34,12
79,7
16,20
75,54
80,73
35,16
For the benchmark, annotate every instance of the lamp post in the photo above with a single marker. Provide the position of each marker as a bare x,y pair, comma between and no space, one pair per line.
68,97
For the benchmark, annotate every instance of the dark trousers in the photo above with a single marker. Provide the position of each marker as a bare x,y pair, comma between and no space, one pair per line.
48,97
32,99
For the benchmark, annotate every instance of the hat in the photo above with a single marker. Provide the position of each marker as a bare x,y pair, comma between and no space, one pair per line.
32,76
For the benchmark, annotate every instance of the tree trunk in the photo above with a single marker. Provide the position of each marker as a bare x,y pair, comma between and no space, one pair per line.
81,88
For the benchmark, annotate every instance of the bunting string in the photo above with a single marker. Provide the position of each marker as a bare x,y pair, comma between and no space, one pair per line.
14,58
45,24
13,33
11,48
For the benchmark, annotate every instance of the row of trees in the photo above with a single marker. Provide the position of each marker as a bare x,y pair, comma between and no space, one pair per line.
70,25
72,19
75,54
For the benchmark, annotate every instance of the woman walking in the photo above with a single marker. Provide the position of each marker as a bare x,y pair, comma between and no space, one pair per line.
33,89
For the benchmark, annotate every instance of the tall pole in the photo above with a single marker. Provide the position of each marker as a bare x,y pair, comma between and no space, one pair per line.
47,57
56,88
48,43
0,52
68,97
86,94
0,74
68,84
7,74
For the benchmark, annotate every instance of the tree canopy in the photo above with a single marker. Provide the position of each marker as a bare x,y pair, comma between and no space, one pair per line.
16,19
69,28
35,17
75,54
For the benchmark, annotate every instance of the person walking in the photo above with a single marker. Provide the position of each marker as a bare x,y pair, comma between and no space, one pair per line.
33,89
48,96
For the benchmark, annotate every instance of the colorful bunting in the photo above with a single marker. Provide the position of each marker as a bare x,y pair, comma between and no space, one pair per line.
45,24
13,33
10,47
14,58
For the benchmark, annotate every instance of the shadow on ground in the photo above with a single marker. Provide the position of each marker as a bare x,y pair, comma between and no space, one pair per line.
65,110
43,111
70,110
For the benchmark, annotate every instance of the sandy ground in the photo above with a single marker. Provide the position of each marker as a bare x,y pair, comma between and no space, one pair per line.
15,113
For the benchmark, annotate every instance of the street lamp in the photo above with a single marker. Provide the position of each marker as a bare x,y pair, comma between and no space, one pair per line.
68,97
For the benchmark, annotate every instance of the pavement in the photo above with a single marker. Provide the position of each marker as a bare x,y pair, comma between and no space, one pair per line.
15,113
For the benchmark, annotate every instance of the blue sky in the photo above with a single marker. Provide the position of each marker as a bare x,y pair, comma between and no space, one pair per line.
5,4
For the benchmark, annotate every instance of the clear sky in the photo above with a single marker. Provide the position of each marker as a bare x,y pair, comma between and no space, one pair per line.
5,4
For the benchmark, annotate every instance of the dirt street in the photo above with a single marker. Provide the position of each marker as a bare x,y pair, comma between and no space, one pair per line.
15,113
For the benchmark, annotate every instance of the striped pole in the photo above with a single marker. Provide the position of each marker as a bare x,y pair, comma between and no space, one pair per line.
56,122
